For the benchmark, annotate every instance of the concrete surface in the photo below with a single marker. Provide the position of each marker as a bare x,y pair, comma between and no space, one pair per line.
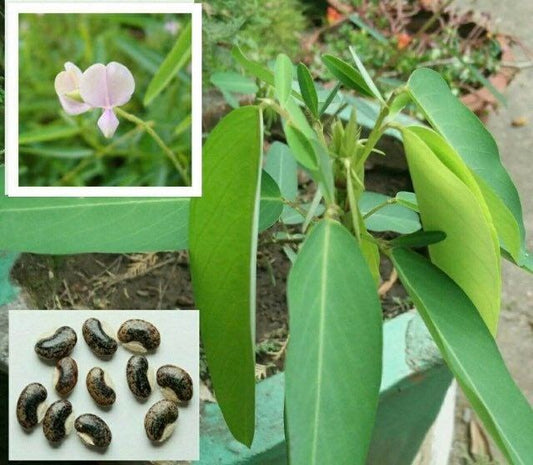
515,335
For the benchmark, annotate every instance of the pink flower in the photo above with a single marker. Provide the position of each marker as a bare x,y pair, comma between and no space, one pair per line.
100,86
107,87
67,84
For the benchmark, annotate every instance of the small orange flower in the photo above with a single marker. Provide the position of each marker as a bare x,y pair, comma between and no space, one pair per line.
403,39
333,15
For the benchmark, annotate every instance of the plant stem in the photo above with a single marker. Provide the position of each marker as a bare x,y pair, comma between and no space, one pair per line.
378,207
147,126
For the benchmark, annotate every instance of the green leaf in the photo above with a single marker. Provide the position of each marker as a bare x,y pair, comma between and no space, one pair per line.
58,225
407,199
281,165
471,353
366,77
178,57
271,204
233,82
283,78
329,99
389,218
223,243
469,137
301,147
145,57
71,152
333,366
448,202
347,74
357,20
418,239
307,89
47,133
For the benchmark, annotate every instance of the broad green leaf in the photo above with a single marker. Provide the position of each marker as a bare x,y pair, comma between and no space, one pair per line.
283,78
301,147
471,353
271,204
177,58
71,152
307,89
418,239
233,82
407,199
469,254
364,74
347,74
223,243
476,146
47,133
281,165
333,366
295,217
392,217
58,225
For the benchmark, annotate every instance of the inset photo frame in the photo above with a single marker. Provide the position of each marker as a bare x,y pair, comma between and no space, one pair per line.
103,99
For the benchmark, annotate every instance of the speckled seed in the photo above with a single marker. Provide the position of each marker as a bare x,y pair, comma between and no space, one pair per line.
57,345
65,375
31,405
58,419
100,341
139,336
160,420
92,430
175,382
139,376
100,387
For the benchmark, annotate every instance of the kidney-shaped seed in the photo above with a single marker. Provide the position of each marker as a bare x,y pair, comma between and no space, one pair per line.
100,387
92,430
175,382
57,345
65,375
139,376
139,336
57,421
160,420
99,340
31,405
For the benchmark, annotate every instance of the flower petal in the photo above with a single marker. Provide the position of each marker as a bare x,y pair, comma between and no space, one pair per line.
108,123
107,86
66,82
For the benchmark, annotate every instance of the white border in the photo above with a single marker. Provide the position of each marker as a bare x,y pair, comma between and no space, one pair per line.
13,9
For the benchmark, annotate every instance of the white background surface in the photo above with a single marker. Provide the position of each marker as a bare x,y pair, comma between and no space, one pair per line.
179,346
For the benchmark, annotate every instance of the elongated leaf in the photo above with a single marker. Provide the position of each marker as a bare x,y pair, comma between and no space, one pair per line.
469,137
57,152
307,89
223,232
333,367
281,165
271,204
301,147
347,74
47,133
418,239
364,74
392,217
233,82
283,78
176,59
145,57
58,225
471,353
469,254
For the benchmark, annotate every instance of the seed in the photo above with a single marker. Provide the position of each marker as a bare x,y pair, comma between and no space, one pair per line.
160,420
65,375
175,382
139,336
92,430
139,376
58,419
31,405
99,338
57,345
100,387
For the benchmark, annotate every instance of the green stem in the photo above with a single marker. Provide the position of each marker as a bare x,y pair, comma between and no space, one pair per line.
150,130
352,199
378,207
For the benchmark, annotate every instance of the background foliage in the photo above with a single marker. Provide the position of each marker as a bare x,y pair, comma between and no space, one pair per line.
63,150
